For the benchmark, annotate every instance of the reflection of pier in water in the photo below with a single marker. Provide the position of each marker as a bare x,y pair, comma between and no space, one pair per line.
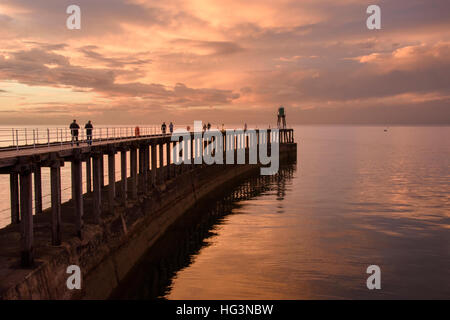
152,276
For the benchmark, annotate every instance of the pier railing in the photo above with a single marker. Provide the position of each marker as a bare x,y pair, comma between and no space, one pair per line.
25,138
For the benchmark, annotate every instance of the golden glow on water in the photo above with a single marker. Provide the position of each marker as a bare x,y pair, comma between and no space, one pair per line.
359,197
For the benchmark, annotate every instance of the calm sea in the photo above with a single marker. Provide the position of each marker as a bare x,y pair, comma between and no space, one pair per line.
358,196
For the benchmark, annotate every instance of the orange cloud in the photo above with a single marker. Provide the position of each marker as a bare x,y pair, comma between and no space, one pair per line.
221,56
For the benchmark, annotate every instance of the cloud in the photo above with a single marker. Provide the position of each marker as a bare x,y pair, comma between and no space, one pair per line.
91,53
213,48
97,16
411,57
38,67
192,56
420,69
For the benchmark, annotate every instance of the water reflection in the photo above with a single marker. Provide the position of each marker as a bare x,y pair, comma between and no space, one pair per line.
152,276
359,197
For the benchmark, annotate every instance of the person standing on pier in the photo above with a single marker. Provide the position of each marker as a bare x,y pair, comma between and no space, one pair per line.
89,128
74,127
171,127
209,126
163,128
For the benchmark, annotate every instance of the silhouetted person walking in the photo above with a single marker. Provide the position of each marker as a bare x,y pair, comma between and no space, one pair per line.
163,128
209,126
171,127
89,128
74,127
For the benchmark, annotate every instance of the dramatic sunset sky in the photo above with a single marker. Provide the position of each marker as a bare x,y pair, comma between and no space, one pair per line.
229,61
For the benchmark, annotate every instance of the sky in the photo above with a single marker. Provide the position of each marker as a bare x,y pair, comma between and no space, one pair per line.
230,61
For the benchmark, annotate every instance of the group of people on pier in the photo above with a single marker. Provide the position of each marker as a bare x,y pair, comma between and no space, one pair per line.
74,127
74,130
164,128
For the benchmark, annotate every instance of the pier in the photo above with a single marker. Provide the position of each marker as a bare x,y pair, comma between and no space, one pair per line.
107,228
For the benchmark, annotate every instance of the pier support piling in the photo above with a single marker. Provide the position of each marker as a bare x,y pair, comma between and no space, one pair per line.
141,168
102,171
133,172
77,196
55,177
112,180
168,160
88,175
14,194
26,209
146,167
192,153
161,164
97,175
123,172
153,164
37,190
